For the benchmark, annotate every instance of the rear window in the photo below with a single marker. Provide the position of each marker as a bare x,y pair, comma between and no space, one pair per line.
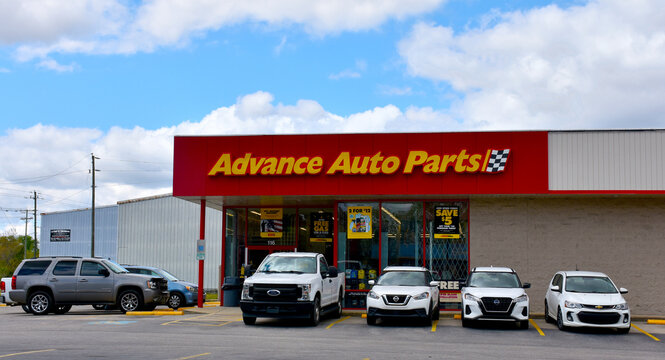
36,267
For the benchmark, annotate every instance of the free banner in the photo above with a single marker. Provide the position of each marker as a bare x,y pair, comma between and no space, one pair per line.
271,223
321,227
359,222
446,222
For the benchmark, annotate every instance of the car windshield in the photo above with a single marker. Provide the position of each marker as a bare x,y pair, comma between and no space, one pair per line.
167,275
590,284
288,264
403,278
115,267
494,280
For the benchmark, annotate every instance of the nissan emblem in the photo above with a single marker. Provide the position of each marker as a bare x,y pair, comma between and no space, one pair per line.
395,298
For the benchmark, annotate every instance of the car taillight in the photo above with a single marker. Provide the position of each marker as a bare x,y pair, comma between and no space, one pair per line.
2,286
14,282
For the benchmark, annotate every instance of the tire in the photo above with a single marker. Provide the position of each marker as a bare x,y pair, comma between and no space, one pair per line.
523,324
248,320
465,322
26,308
40,303
315,316
623,331
99,307
129,300
340,305
62,309
559,320
176,300
548,318
371,320
437,313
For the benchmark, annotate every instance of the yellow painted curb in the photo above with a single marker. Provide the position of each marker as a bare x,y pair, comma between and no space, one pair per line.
457,316
159,312
3,305
364,316
655,321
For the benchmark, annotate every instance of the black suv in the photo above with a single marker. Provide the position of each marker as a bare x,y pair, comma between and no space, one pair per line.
54,284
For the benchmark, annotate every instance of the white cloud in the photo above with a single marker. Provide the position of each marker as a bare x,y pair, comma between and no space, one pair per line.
4,71
591,66
345,74
395,91
55,66
41,27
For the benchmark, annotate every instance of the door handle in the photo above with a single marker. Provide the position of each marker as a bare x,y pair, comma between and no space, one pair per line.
83,280
52,279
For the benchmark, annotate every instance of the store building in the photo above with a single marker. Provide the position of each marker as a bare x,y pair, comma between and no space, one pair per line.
535,201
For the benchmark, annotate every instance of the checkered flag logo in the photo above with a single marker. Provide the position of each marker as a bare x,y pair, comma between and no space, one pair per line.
497,161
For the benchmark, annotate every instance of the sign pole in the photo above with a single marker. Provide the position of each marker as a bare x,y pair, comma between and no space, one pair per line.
202,233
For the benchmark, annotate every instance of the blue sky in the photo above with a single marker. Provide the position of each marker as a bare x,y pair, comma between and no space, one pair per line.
120,78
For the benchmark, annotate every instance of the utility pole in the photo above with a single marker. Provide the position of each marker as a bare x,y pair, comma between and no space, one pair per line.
34,250
25,239
92,228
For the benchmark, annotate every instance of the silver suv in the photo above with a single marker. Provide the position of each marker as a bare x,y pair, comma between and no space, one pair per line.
54,284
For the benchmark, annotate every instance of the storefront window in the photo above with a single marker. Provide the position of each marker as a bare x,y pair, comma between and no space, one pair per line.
402,234
316,228
234,246
358,244
271,227
447,247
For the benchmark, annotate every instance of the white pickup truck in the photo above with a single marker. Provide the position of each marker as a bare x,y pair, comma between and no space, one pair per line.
292,285
5,288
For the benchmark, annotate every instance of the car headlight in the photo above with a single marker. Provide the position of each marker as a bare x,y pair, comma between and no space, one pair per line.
306,289
152,284
623,306
572,305
190,288
421,296
247,292
522,298
470,297
373,295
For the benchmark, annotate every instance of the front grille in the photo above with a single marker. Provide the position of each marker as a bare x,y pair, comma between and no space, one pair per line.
162,284
598,318
287,293
497,304
396,299
598,307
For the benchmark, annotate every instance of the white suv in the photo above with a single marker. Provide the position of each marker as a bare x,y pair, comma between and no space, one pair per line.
403,291
495,293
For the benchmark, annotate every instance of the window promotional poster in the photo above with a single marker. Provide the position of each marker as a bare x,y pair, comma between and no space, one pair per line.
271,223
359,222
321,228
446,222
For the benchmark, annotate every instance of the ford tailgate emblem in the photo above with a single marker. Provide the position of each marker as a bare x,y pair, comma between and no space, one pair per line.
274,292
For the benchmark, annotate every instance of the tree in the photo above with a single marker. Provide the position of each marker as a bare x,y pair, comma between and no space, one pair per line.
11,252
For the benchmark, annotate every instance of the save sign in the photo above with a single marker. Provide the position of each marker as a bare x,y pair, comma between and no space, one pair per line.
446,222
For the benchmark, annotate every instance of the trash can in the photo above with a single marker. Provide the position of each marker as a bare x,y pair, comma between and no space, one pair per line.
232,288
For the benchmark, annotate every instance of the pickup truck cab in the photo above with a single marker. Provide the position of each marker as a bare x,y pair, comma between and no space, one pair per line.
292,285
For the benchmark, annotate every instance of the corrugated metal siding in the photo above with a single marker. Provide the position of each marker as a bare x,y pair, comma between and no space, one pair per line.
106,233
162,232
607,160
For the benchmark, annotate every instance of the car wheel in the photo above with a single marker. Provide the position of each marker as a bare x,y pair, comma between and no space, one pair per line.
437,312
465,322
40,303
315,316
623,331
559,320
371,320
248,320
62,309
340,305
524,324
129,300
26,308
176,300
99,307
548,318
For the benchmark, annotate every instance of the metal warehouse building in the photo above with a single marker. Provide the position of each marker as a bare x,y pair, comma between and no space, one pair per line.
536,201
158,231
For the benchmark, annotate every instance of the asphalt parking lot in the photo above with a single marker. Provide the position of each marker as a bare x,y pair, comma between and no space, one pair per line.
217,332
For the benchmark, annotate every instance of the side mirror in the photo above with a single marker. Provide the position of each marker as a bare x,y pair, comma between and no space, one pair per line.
526,285
434,283
333,272
104,272
462,284
555,288
623,291
371,282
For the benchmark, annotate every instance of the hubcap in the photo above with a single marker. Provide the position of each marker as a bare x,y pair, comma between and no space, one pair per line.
130,302
39,303
174,301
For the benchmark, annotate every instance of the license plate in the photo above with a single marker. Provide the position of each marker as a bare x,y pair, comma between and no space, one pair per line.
272,310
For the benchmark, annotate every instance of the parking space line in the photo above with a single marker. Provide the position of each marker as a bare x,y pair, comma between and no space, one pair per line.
434,325
537,327
193,356
646,333
27,352
337,322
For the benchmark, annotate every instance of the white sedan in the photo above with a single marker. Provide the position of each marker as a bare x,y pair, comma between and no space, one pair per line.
583,298
403,291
